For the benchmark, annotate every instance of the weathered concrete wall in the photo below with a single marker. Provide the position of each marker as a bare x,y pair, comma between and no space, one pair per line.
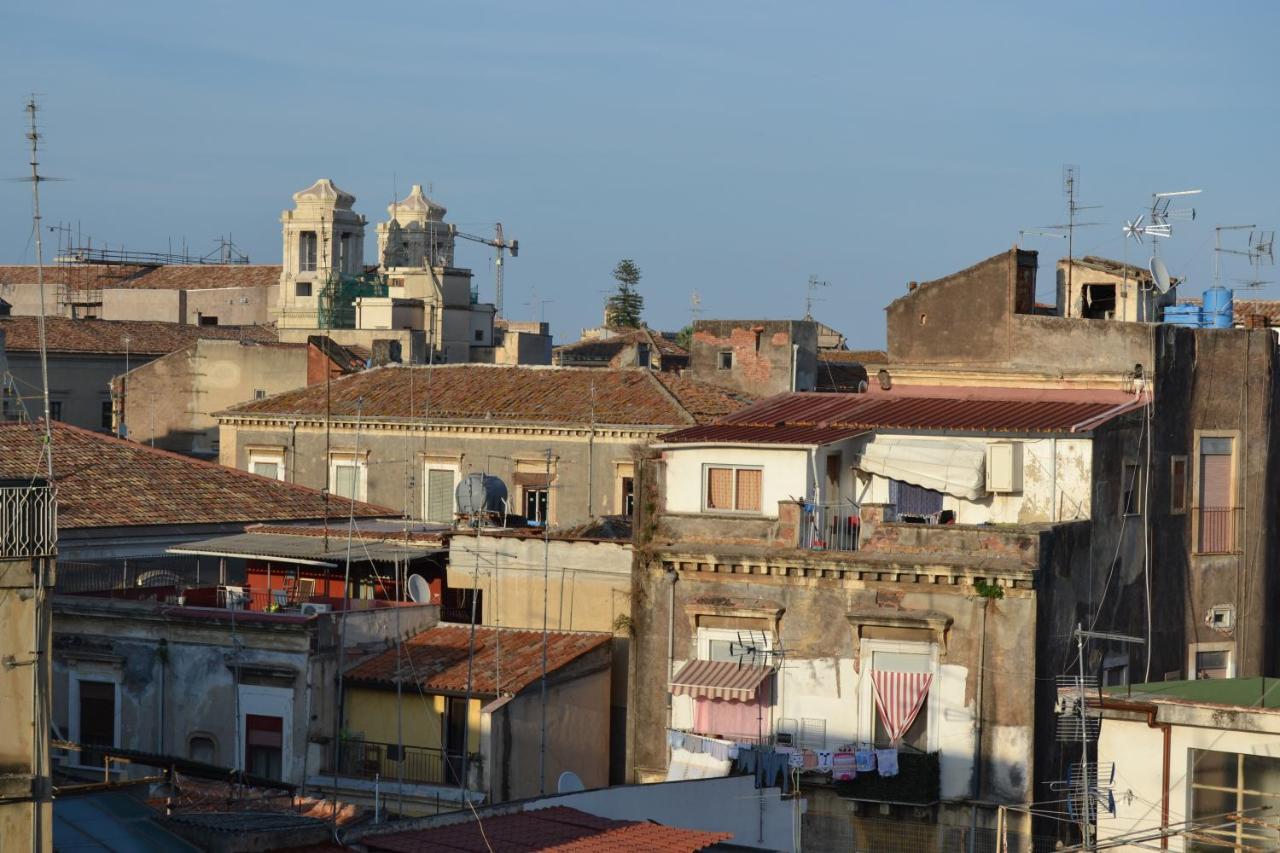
233,306
170,402
167,306
577,731
763,355
585,465
81,383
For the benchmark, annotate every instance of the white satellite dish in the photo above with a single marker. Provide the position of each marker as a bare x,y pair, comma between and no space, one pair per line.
569,783
419,590
1160,275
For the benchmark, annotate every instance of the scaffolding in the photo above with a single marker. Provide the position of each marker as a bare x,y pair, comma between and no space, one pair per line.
337,302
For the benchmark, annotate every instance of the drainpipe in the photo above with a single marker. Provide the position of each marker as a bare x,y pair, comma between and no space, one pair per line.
671,641
1166,729
977,727
795,355
293,451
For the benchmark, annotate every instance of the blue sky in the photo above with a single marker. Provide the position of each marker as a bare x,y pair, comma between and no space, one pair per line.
729,148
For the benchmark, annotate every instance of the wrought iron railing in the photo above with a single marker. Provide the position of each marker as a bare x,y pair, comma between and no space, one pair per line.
366,759
830,527
1217,530
28,519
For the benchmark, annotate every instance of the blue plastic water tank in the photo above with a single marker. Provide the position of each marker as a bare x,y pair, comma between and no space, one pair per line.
1218,309
1183,315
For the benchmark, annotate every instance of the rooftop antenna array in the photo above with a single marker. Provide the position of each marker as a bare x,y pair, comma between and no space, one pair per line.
1157,223
695,307
814,285
1033,232
1071,189
1259,252
752,648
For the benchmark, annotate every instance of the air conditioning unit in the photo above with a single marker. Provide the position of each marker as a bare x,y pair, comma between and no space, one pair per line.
310,609
1004,467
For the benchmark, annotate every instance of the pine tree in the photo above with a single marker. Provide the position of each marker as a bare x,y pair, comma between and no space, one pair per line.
624,307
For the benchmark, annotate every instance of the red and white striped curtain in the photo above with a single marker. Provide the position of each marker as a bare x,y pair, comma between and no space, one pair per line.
899,697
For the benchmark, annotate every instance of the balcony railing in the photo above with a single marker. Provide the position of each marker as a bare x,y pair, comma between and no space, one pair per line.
830,527
366,759
1216,532
28,519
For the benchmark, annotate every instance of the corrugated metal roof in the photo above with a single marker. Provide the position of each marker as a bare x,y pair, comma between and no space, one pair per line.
308,547
112,821
719,679
817,418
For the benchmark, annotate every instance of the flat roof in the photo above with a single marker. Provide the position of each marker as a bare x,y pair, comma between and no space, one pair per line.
1242,692
309,549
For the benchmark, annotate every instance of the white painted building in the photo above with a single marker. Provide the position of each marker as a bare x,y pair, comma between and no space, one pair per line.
1188,757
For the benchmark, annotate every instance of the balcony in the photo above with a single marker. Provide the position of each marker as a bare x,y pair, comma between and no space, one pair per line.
28,519
917,782
829,527
1216,530
366,759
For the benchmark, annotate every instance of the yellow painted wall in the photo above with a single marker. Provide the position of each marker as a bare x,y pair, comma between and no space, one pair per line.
372,713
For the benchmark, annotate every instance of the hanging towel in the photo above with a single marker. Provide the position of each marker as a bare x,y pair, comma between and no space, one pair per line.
795,759
824,759
810,761
675,740
887,761
842,767
866,760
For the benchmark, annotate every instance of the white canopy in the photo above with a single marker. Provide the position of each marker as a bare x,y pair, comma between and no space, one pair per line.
952,467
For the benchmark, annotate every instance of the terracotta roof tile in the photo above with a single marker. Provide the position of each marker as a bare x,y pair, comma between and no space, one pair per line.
704,401
64,335
557,828
174,277
562,395
104,481
605,350
439,658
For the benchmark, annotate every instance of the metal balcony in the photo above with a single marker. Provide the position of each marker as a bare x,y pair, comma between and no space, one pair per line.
28,519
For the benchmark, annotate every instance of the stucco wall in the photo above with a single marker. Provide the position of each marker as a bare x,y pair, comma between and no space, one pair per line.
167,306
233,306
786,475
81,383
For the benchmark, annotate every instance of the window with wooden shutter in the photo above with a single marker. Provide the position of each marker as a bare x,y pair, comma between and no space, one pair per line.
439,495
719,488
747,495
1215,496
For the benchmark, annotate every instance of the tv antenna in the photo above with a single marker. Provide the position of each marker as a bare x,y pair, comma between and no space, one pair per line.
814,284
1071,189
752,648
1259,251
695,306
1032,232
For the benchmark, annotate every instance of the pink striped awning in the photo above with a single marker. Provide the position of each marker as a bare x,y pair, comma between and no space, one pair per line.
899,697
719,679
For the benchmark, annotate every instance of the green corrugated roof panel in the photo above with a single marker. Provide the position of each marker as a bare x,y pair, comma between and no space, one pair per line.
1248,692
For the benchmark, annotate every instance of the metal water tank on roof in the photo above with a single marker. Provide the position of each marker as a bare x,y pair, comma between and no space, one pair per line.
1183,315
1219,312
480,493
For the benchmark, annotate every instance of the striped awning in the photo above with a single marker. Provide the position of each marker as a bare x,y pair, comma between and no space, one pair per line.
719,679
899,697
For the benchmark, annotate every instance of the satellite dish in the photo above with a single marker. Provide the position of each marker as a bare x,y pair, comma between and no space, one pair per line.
569,783
1160,275
419,590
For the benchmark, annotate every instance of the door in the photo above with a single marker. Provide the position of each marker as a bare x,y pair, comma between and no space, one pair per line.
455,734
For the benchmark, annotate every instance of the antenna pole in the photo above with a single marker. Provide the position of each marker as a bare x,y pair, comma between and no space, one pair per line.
34,136
546,582
1085,834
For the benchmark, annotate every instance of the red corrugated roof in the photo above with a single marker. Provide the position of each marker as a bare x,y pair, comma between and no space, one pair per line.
557,828
439,657
819,418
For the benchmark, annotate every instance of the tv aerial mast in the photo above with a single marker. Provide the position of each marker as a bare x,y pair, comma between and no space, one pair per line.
1071,189
814,284
1259,252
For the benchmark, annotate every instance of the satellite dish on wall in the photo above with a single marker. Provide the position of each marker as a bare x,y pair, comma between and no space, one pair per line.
1160,275
419,590
569,783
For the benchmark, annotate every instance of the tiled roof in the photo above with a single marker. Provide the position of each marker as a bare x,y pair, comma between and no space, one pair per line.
857,356
557,828
559,395
605,349
818,418
439,657
146,337
704,401
104,481
176,277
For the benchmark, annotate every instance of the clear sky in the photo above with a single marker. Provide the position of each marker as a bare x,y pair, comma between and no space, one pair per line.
732,148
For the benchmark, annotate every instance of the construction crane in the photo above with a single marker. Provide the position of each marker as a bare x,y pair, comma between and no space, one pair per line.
501,246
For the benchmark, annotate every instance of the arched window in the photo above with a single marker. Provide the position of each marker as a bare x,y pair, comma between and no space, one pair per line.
202,748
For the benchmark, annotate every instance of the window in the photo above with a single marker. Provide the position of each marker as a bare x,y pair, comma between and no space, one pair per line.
1115,672
1213,663
913,502
107,417
1131,489
307,251
628,496
746,721
263,745
208,320
202,748
479,335
96,719
735,645
1223,783
267,464
733,489
724,360
1177,485
348,477
1099,301
439,497
903,658
55,410
259,393
302,288
642,355
535,504
1215,496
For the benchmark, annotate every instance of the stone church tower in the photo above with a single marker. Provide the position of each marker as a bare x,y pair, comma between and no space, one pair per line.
322,235
416,235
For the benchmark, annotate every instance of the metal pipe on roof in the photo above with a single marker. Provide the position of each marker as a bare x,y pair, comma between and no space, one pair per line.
243,556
